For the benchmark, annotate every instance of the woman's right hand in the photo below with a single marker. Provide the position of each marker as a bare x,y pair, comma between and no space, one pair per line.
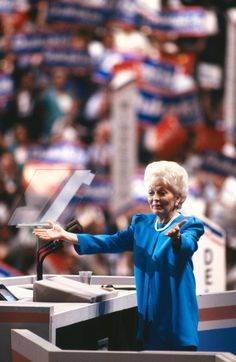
54,232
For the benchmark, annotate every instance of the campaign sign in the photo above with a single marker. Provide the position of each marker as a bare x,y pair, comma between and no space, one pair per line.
73,13
26,43
188,21
114,61
210,259
219,164
59,153
67,57
96,4
157,73
153,105
105,68
56,39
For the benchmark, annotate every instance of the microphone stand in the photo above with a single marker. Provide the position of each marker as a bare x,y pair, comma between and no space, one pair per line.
53,245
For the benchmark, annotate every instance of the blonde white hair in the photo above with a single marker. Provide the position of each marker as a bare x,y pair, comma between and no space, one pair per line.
172,174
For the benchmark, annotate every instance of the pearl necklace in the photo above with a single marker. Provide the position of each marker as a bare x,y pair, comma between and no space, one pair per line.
166,226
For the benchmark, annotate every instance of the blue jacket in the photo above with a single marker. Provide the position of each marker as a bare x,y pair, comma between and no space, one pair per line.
165,283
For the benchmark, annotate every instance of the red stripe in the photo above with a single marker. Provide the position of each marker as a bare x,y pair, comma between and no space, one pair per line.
214,239
17,357
217,313
18,317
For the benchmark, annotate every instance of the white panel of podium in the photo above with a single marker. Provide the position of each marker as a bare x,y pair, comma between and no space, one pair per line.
112,322
28,346
63,324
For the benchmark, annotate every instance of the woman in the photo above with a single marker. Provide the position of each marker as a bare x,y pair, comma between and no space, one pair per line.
163,244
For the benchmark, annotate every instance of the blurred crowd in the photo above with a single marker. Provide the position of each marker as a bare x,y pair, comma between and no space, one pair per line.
45,103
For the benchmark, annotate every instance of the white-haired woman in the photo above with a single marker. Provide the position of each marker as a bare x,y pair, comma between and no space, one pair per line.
163,243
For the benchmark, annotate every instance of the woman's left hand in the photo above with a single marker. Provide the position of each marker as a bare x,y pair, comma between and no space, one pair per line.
174,234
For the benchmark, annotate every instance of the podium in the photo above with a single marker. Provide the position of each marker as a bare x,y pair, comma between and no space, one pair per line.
105,324
108,324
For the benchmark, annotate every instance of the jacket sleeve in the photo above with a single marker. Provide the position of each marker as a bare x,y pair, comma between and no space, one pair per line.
190,235
116,243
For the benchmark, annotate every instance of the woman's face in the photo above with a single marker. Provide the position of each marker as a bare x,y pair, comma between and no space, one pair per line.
162,199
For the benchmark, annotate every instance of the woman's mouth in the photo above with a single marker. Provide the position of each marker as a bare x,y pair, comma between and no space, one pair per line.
156,206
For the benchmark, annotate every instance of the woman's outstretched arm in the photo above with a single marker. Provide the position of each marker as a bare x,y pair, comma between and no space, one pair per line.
55,232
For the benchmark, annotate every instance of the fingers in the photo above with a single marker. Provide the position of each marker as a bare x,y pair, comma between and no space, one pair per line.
175,230
43,233
51,225
182,222
52,232
40,232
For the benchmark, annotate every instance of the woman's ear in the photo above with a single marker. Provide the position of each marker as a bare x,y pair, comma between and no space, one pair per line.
177,201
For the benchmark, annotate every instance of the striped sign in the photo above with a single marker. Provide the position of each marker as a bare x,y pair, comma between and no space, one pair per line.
217,322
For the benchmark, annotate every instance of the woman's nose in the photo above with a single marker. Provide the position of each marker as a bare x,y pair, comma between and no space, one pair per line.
156,196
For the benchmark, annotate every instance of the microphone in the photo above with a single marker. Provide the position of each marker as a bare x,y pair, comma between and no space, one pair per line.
74,226
53,245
